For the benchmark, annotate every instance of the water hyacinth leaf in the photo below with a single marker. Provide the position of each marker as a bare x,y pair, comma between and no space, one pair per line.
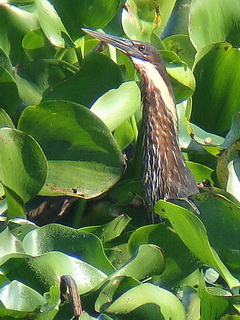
8,242
227,214
52,25
78,243
34,78
115,287
140,18
37,46
85,13
90,82
182,46
5,120
49,268
217,74
214,13
193,233
181,76
117,105
83,157
201,172
9,97
14,23
17,296
21,157
179,260
110,230
147,301
149,257
213,301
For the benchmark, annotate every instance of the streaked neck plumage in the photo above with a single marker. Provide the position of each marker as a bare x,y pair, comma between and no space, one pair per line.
166,175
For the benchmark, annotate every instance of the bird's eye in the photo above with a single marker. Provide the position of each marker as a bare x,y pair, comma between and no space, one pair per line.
141,47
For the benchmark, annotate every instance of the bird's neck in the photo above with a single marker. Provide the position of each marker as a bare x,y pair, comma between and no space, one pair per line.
166,175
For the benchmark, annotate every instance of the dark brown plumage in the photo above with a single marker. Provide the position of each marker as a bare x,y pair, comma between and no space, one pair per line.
165,173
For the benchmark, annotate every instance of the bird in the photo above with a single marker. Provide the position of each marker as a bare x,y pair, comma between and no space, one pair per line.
166,175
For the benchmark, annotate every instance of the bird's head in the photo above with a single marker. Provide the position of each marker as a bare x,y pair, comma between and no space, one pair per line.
134,49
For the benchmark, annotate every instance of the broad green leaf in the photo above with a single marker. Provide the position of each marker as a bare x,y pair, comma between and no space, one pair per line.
110,230
17,296
9,97
181,76
140,18
125,134
83,158
193,233
21,156
5,120
34,78
177,23
97,75
217,75
223,236
147,301
179,261
93,14
182,46
52,25
5,62
42,272
117,105
234,133
213,301
8,242
14,23
219,17
201,172
20,227
115,287
149,257
37,46
78,243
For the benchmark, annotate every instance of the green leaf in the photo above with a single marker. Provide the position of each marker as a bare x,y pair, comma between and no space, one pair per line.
9,97
140,18
83,158
17,296
90,82
110,230
212,301
8,242
149,257
40,273
207,14
117,105
14,23
21,156
37,46
193,233
223,236
5,120
182,46
78,243
52,25
147,301
34,78
217,74
85,13
179,261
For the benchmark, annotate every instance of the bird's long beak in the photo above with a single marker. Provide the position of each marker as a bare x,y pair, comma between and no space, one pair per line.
124,45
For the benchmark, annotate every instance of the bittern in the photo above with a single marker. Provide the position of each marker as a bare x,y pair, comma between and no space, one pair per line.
165,173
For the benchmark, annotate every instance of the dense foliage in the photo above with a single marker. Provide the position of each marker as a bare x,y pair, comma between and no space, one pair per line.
68,114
